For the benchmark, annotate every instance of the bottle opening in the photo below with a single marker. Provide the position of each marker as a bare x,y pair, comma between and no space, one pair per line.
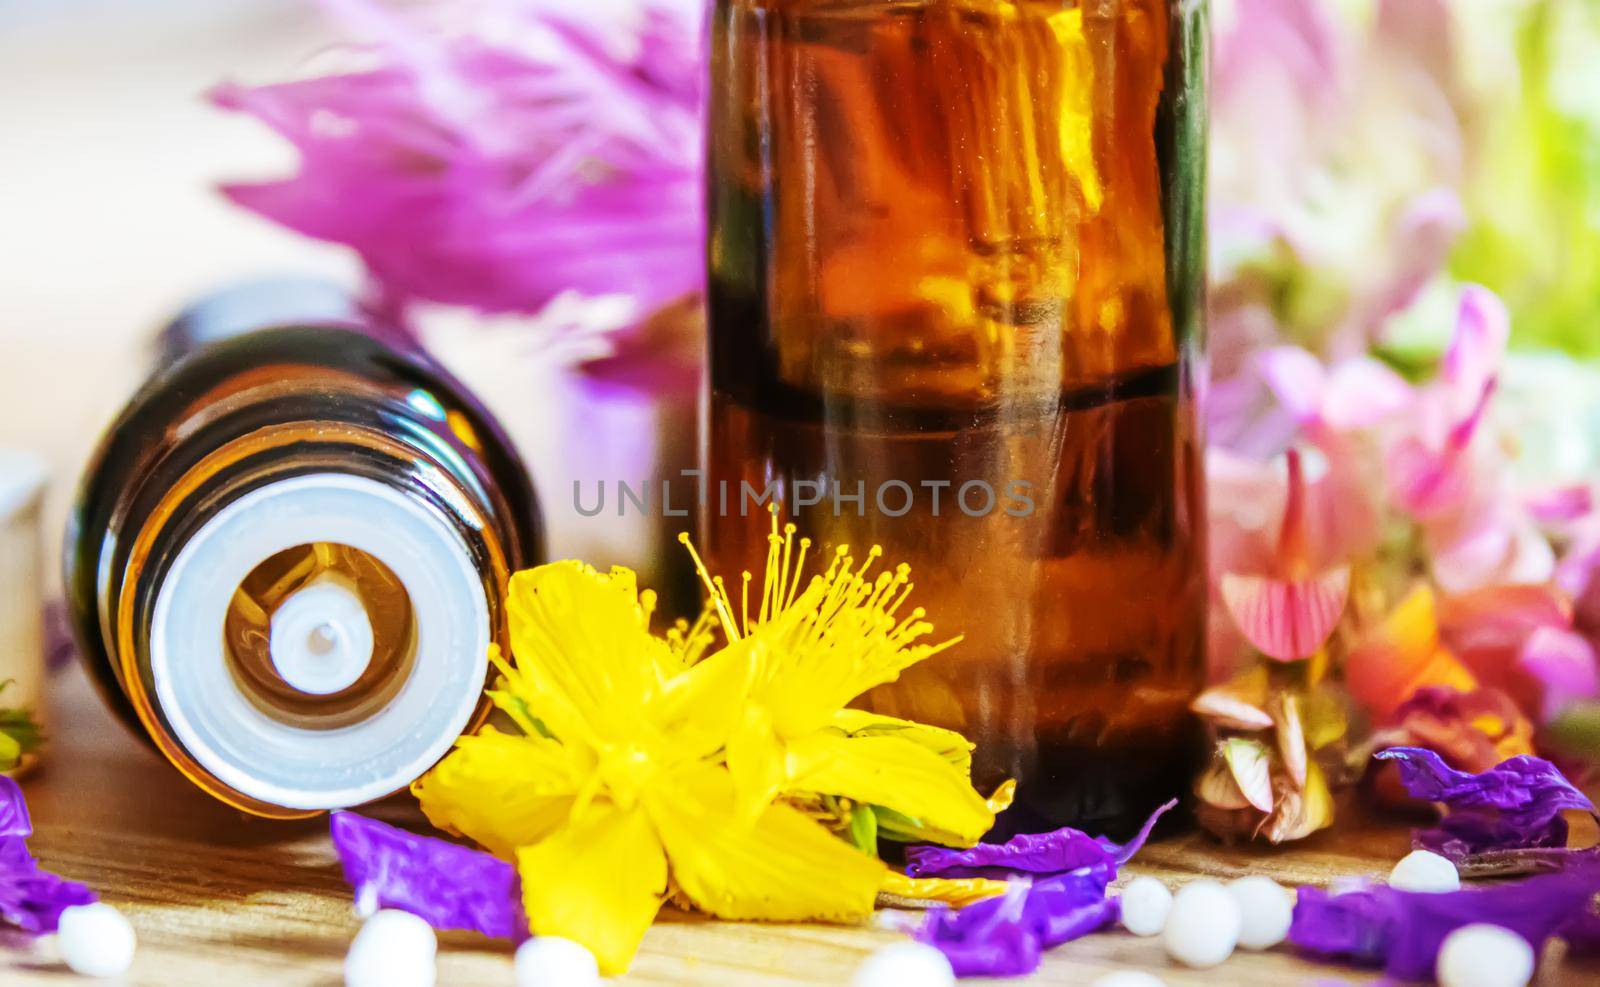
320,641
320,635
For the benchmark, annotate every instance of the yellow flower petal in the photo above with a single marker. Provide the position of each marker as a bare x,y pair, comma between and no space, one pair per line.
784,868
502,791
948,744
900,890
700,708
756,760
895,773
585,659
598,881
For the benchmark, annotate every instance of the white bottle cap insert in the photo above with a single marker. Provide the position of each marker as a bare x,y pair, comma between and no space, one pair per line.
320,642
321,637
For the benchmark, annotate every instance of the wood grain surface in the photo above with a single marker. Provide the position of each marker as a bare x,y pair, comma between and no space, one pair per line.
223,900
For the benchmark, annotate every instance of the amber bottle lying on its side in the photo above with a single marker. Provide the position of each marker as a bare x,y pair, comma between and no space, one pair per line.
957,247
287,560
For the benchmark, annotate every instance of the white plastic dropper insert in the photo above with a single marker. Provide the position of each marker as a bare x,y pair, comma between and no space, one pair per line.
322,643
320,639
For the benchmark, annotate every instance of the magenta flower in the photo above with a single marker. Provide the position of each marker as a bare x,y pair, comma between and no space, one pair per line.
497,170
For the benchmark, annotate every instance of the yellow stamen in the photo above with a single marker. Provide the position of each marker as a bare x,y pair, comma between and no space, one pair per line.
719,597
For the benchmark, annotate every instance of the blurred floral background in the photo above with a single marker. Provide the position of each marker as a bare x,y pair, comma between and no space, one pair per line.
1404,410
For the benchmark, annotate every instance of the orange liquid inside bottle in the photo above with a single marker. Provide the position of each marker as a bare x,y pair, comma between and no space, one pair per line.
955,289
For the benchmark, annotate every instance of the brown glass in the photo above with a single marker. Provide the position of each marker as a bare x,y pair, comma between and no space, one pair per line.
253,409
963,241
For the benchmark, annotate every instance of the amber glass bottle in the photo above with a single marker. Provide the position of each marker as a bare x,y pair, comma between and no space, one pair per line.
287,561
956,271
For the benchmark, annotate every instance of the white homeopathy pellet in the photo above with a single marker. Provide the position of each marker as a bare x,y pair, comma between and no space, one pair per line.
1128,978
1203,926
551,961
393,949
1484,956
1145,903
1266,908
95,940
905,964
1422,870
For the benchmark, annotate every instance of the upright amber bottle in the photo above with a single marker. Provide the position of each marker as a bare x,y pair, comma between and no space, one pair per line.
287,562
956,272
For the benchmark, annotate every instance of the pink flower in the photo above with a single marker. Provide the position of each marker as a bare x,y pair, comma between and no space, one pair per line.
1336,166
497,174
1431,464
1445,471
1562,662
1359,392
1523,640
1288,610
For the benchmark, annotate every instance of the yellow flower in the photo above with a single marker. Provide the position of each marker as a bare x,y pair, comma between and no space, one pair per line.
614,795
815,650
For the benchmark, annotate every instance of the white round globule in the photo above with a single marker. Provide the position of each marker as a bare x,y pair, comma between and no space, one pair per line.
905,964
1266,909
322,642
95,940
1423,870
1203,926
1484,955
1128,978
393,949
320,638
551,961
1145,903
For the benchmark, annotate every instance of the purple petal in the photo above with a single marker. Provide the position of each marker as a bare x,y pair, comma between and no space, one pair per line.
451,886
1057,852
1535,909
1004,937
993,938
1402,930
14,819
32,899
1583,934
1355,926
1516,804
1067,908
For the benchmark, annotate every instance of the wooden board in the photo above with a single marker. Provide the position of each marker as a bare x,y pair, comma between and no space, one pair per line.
222,899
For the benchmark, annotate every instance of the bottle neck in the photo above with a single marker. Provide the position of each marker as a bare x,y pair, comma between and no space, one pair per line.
289,537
